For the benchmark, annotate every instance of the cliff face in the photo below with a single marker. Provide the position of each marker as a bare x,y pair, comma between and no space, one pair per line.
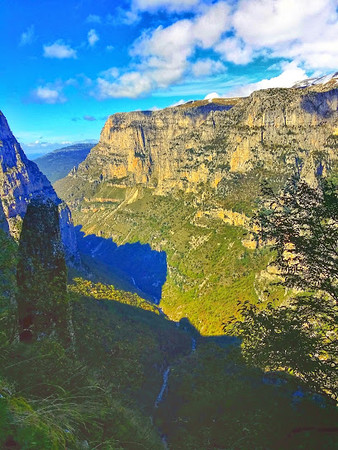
21,182
182,147
186,180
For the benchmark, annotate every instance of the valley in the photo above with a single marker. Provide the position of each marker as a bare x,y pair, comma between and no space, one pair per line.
169,225
135,344
186,180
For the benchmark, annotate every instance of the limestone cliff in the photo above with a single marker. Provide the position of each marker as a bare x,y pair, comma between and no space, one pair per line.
21,182
198,143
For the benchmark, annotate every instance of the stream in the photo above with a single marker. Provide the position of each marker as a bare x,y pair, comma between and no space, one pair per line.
166,373
159,398
164,388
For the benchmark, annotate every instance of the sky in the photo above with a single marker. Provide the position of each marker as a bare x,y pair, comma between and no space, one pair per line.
66,65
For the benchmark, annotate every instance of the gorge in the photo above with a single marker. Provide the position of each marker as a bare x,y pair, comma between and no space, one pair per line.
162,255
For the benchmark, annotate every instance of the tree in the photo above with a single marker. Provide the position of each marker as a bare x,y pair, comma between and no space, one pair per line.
301,226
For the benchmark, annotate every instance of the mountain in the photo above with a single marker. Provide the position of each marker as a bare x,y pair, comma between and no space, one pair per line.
56,164
99,367
21,182
323,82
186,180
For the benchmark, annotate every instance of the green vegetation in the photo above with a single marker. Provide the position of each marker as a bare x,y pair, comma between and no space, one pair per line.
102,291
86,394
301,335
99,391
209,267
215,401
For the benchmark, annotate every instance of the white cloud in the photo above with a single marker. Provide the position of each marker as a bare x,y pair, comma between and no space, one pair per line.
234,50
93,18
92,37
290,75
211,96
303,30
180,102
27,37
207,66
50,93
59,50
111,73
303,33
269,22
164,54
168,5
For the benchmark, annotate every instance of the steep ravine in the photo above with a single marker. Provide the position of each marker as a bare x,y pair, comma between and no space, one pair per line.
161,395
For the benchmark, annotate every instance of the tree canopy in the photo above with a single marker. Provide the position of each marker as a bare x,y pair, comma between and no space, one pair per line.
301,226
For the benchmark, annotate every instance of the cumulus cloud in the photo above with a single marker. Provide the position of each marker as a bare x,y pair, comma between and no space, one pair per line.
303,33
59,50
207,66
27,37
303,30
235,50
211,96
49,93
164,54
290,75
92,37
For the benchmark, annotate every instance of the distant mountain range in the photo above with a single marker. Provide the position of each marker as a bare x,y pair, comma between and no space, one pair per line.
56,164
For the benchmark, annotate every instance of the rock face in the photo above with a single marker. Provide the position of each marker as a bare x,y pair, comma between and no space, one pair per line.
194,144
41,274
153,148
21,182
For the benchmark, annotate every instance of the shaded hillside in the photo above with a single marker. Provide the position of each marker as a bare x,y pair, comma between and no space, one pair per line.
56,164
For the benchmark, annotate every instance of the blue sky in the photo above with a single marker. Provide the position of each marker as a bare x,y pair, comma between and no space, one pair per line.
66,65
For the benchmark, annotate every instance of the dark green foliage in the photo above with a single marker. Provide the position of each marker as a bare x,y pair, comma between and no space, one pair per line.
301,336
101,392
303,224
8,310
215,401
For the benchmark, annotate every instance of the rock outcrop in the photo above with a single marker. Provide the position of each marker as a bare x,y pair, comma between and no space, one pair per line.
21,182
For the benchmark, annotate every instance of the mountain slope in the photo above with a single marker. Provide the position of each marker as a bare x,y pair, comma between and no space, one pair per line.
21,182
185,180
56,164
